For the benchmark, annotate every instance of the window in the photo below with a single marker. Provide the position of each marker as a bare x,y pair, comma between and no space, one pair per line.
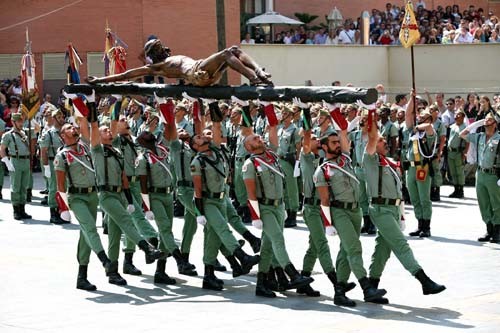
10,66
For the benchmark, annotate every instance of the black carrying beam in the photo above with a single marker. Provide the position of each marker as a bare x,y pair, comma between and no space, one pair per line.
329,94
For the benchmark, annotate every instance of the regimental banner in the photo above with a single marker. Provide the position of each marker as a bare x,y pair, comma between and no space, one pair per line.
30,95
409,33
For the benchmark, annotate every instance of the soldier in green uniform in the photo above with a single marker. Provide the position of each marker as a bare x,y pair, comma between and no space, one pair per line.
208,170
18,164
180,119
338,189
135,119
388,129
124,141
288,152
487,174
112,185
241,154
77,191
264,179
50,142
439,158
457,152
384,189
421,149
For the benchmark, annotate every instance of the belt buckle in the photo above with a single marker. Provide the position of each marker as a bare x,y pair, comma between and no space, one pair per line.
221,195
89,189
276,203
118,189
169,189
398,202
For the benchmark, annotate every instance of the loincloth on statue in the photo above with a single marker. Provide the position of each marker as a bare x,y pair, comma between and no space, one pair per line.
201,78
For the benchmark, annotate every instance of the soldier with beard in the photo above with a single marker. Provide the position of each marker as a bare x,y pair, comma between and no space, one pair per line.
201,73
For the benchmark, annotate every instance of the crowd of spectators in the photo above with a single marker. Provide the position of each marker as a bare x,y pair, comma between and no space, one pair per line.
448,25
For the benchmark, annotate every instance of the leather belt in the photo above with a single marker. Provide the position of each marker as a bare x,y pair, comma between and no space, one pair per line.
488,170
270,202
213,195
108,188
455,150
51,158
19,157
344,205
164,190
185,183
132,178
385,201
81,190
413,163
312,201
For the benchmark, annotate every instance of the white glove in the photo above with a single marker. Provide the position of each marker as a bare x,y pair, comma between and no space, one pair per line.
475,125
257,224
8,164
130,209
150,216
91,97
296,169
238,101
263,103
498,182
299,103
46,171
368,107
201,220
160,100
208,100
189,98
353,124
69,96
330,230
331,107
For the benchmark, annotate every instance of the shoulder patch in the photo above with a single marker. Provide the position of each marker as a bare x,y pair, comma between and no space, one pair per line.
193,168
137,162
56,162
244,168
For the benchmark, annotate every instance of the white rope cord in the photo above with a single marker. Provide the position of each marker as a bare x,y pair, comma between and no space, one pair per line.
40,16
433,149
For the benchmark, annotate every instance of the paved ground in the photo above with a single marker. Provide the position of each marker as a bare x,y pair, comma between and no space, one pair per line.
39,268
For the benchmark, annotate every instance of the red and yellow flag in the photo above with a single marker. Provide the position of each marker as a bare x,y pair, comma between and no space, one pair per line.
30,96
409,33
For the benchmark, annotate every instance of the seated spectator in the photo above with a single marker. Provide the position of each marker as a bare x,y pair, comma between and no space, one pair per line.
386,38
310,37
333,37
248,39
463,36
288,38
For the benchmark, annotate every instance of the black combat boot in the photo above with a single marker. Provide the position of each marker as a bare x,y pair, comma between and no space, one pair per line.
82,282
29,195
153,241
371,230
183,266
235,266
382,300
261,288
23,213
128,265
254,241
426,229
460,193
44,201
495,235
270,281
340,289
406,195
246,261
106,263
113,276
17,215
246,217
435,194
1,196
160,275
297,280
150,252
369,292
364,227
454,193
291,220
485,238
419,228
210,281
218,267
283,282
308,290
186,259
178,208
55,218
428,286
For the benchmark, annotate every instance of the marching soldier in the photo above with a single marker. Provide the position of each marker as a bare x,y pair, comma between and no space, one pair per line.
384,189
457,152
488,173
18,164
441,154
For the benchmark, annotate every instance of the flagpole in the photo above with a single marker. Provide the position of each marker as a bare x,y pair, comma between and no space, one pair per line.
30,146
413,96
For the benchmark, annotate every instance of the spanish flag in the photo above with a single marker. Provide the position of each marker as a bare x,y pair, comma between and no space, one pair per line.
409,33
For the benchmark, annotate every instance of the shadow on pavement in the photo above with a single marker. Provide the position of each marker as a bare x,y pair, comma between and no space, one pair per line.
456,241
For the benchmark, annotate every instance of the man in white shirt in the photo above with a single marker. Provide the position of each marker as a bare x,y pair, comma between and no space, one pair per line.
448,117
463,36
346,36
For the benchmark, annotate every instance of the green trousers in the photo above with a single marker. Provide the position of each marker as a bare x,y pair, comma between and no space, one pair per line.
162,206
19,180
233,218
119,221
363,195
216,231
419,194
84,206
488,197
52,181
318,243
390,239
273,241
350,256
291,193
185,196
140,222
1,175
240,189
456,167
437,180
